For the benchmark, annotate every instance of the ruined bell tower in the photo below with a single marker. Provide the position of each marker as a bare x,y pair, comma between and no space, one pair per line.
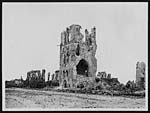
77,57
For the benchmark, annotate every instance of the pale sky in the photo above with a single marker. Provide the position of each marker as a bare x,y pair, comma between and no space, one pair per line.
31,33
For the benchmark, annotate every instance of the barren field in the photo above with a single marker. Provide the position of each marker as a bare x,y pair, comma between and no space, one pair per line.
27,98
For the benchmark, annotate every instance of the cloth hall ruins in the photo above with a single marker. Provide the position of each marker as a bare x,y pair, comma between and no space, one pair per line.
77,56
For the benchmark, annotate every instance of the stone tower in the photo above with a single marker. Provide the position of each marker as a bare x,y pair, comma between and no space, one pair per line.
140,75
77,57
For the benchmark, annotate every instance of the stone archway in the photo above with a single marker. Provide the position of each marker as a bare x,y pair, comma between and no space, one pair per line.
82,67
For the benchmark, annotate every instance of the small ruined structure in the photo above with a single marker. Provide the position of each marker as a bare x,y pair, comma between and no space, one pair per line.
140,75
103,75
36,74
35,79
55,76
106,80
77,56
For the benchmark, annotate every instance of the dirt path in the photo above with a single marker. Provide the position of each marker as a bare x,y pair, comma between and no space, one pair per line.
26,98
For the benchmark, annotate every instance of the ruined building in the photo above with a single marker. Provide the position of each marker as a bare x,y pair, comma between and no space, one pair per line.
35,79
36,74
77,56
105,78
140,75
103,75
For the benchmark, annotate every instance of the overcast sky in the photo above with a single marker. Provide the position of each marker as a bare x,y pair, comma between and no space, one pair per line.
31,33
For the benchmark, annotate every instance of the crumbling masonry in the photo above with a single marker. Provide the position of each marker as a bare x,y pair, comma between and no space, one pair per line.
77,56
140,75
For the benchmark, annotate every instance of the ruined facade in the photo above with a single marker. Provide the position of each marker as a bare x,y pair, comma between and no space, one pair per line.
77,56
36,74
140,75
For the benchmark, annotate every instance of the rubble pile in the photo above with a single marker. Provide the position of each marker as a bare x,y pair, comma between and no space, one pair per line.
105,85
15,83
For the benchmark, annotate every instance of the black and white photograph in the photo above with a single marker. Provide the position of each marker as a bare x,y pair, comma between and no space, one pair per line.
76,56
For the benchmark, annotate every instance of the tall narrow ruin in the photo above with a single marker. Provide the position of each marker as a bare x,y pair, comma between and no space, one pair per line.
140,75
77,56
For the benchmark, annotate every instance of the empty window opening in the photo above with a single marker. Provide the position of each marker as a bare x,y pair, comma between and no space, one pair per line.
78,50
65,84
82,68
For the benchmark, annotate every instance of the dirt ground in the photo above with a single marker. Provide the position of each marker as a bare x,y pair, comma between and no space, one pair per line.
27,98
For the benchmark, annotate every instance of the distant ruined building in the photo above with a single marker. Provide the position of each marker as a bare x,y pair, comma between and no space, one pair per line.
140,75
77,56
36,74
35,79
